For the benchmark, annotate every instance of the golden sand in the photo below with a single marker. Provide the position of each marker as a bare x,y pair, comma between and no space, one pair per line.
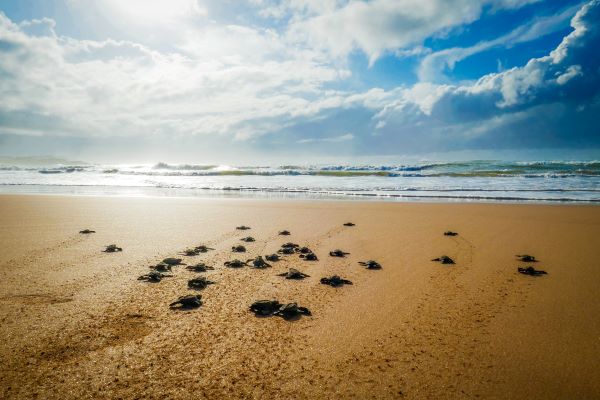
76,323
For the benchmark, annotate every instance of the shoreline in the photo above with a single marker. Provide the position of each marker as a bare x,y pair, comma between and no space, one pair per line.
77,323
277,195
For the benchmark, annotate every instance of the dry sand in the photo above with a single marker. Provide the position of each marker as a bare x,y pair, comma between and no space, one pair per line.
75,322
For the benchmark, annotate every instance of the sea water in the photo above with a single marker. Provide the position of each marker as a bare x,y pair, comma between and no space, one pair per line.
522,181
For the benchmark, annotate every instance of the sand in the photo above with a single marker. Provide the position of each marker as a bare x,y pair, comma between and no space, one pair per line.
76,323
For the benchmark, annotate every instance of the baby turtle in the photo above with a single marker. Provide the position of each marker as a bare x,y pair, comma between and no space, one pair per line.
161,267
259,263
86,232
370,264
292,310
172,261
238,249
112,248
199,283
444,260
234,264
202,248
289,245
293,273
248,239
265,307
242,228
450,233
272,257
284,233
273,307
335,281
309,257
338,253
527,258
286,250
531,271
304,250
153,276
200,267
189,301
190,252
349,224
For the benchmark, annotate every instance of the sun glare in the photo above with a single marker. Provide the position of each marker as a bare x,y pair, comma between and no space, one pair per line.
153,11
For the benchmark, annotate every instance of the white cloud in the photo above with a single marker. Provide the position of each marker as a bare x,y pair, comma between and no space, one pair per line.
146,12
380,26
227,80
333,139
432,67
571,72
245,81
523,99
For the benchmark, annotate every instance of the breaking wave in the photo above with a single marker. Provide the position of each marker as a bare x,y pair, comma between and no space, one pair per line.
470,180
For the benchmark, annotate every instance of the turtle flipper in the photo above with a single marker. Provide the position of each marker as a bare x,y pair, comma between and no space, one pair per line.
304,310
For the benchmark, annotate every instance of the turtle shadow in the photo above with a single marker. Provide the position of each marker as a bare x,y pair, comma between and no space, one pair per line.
184,308
292,318
263,316
197,289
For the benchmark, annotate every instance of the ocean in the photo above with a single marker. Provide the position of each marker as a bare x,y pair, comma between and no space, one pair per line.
480,180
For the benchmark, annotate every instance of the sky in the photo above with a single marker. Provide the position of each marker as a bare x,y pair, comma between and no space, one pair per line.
225,80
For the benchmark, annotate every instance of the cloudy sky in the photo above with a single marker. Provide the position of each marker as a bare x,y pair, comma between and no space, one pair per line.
209,79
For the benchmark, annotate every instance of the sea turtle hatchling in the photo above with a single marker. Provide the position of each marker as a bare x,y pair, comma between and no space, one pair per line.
172,261
235,264
273,307
293,273
284,233
188,301
265,307
335,281
200,267
286,250
153,276
304,250
112,248
338,253
289,245
349,224
309,257
450,233
248,239
238,249
259,263
370,264
202,248
527,258
272,257
199,283
190,252
444,260
161,267
86,232
292,310
242,228
531,271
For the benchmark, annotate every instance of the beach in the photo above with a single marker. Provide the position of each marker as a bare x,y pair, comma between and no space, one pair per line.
76,323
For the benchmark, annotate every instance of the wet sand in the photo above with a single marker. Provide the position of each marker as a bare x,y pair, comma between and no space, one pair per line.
76,323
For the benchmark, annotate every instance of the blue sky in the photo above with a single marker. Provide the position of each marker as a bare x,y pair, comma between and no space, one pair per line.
209,79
